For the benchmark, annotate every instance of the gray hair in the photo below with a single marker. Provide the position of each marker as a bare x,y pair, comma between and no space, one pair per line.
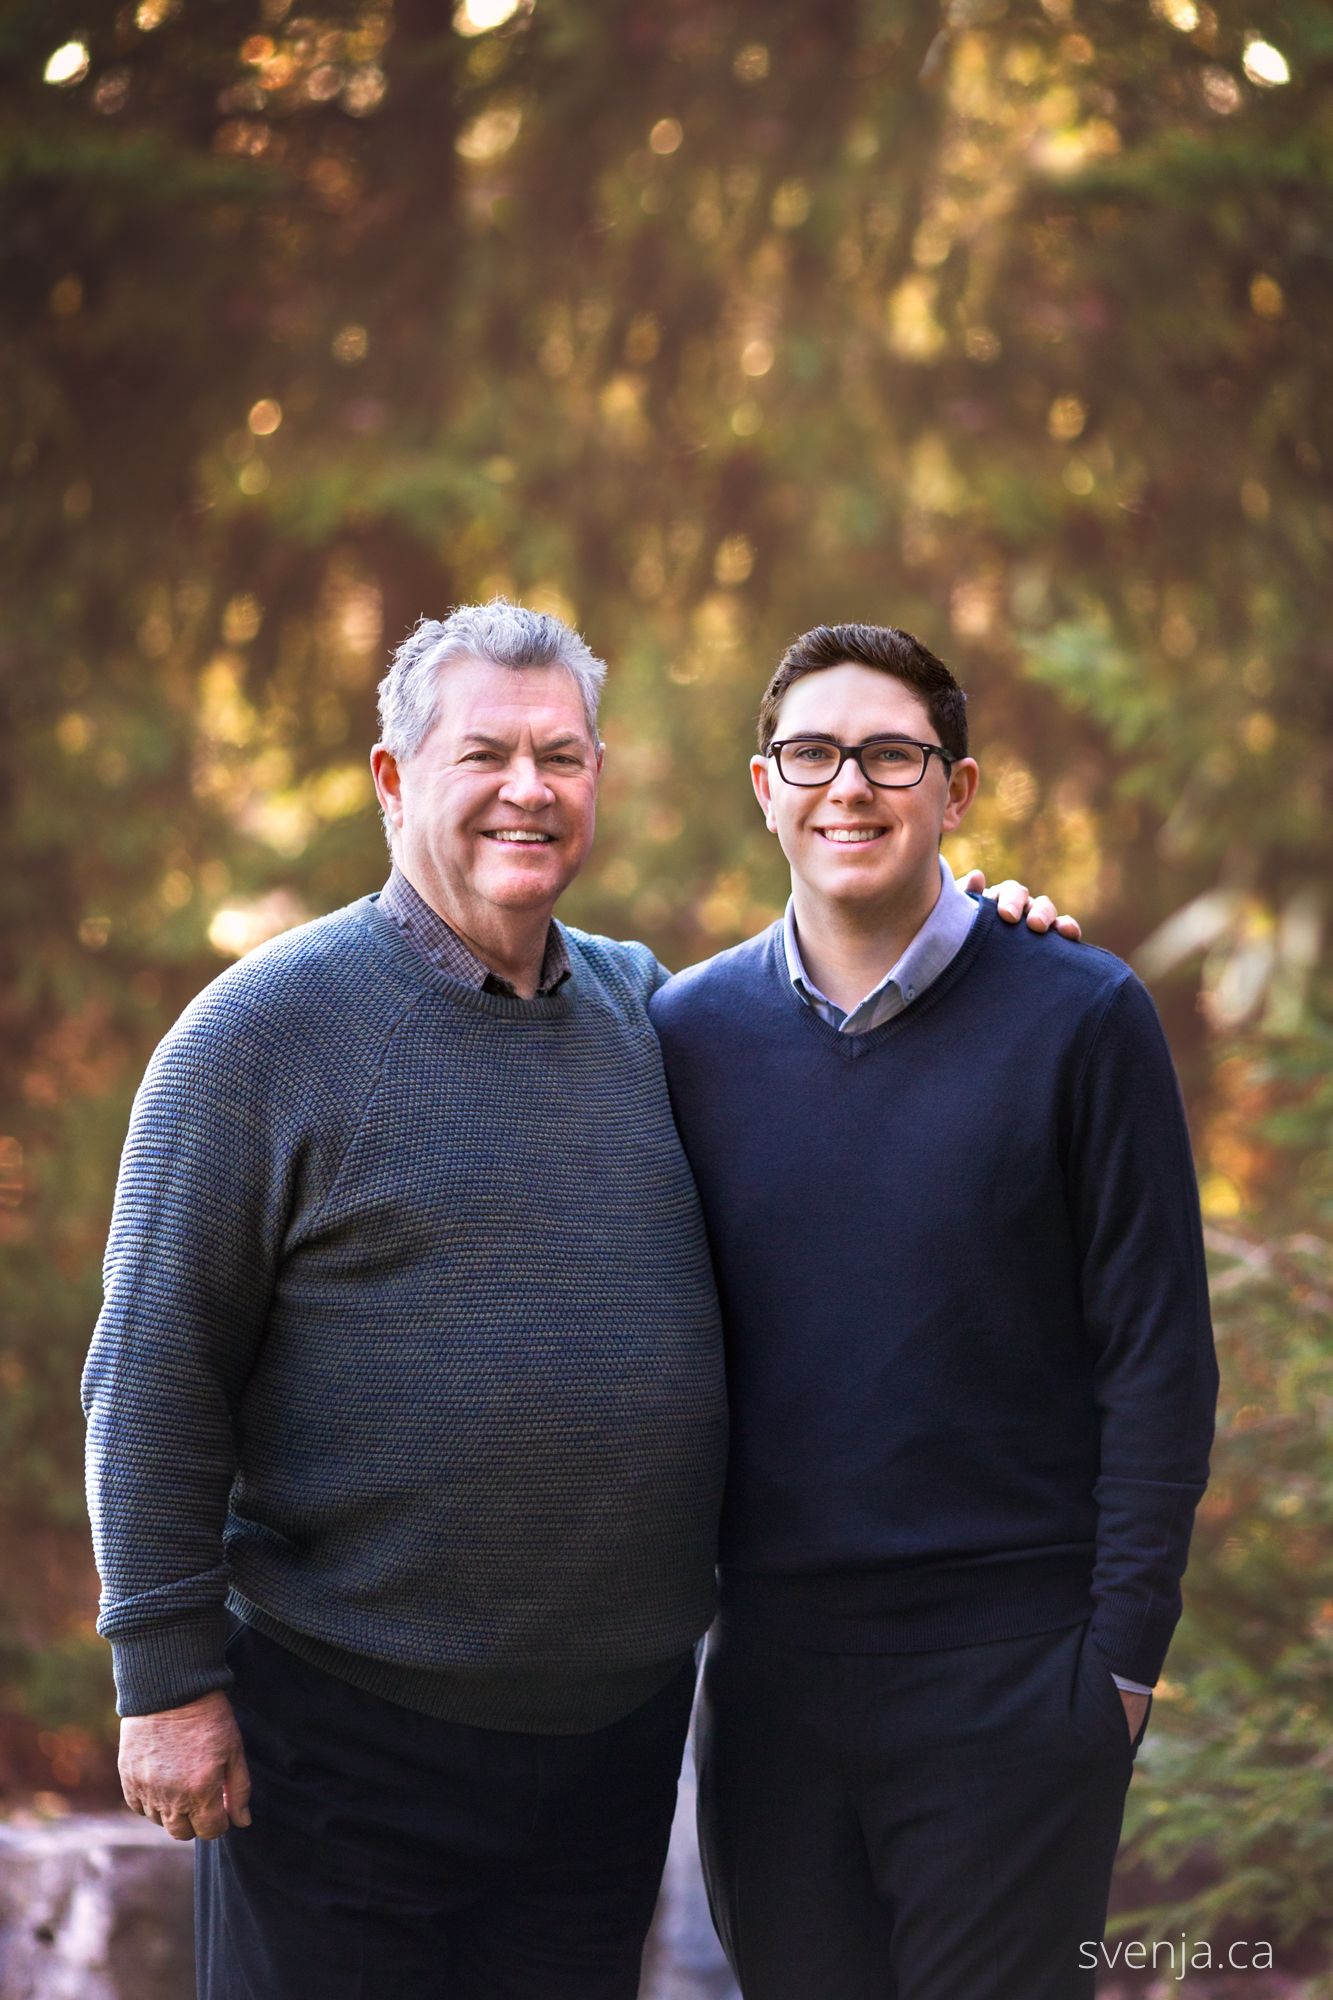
506,634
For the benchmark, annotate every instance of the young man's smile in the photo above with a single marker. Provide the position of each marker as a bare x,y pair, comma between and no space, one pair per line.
851,836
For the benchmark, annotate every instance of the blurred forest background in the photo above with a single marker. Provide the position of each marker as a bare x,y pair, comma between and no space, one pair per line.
697,323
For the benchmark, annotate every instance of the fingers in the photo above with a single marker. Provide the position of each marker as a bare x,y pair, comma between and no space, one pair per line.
208,1821
1042,917
1011,899
186,1817
973,882
236,1790
1014,903
205,1820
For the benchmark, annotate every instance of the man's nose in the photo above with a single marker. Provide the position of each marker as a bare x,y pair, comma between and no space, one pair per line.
525,786
851,784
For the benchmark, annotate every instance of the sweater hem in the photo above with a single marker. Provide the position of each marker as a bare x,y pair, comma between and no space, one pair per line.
542,1701
913,1608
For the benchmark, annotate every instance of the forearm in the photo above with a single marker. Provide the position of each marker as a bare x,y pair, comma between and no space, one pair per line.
188,1274
160,1464
1143,1535
1146,1311
1156,1389
157,1536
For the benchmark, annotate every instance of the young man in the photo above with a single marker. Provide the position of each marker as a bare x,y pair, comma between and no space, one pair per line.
950,1199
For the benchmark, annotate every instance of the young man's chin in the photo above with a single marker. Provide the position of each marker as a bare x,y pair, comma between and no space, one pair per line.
856,881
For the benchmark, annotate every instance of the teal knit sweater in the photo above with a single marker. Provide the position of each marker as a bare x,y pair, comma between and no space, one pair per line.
410,1350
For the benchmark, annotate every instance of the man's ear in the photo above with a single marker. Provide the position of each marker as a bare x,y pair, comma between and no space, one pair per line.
388,784
964,776
761,779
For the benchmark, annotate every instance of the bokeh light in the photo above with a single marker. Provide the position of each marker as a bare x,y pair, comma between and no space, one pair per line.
67,64
1265,65
477,17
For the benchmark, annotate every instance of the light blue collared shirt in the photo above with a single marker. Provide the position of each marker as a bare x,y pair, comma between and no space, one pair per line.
932,950
935,946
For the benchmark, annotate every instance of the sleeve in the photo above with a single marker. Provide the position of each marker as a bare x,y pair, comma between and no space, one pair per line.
1145,1306
200,1212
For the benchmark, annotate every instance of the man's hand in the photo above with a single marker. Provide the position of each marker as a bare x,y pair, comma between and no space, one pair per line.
185,1768
1013,901
1135,1707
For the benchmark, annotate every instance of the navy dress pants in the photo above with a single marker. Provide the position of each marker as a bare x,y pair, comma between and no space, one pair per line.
393,1856
911,1826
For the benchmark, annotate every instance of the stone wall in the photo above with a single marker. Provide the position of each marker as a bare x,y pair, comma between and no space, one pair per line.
94,1907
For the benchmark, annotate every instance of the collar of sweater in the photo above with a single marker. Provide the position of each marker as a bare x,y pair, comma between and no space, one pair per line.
851,1046
424,976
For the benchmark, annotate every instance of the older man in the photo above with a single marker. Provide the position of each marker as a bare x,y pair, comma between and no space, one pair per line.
410,1363
406,1405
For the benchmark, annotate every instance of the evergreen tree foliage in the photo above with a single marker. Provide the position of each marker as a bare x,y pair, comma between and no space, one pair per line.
1007,322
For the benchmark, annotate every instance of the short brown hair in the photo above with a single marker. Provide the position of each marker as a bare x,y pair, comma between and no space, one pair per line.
881,646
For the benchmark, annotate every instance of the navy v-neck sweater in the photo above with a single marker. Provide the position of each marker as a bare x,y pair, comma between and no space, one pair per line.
969,1354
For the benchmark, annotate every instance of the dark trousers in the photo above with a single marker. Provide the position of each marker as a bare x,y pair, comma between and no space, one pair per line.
912,1826
396,1857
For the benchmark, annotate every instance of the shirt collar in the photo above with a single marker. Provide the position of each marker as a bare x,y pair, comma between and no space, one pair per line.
939,940
426,930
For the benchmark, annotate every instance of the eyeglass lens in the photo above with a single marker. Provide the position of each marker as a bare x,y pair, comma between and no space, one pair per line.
887,764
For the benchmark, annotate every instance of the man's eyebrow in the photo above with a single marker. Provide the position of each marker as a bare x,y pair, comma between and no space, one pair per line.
499,743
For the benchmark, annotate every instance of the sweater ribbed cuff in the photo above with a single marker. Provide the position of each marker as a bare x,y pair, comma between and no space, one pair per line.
1131,1639
170,1664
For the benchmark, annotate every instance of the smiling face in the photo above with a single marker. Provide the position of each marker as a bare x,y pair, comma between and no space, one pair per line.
493,815
853,845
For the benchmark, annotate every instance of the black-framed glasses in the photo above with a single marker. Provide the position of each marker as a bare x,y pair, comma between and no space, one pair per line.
891,763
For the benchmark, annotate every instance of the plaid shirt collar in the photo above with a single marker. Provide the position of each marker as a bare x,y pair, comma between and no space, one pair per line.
429,934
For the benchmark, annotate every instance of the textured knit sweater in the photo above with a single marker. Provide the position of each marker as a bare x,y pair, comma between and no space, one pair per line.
962,1281
410,1350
